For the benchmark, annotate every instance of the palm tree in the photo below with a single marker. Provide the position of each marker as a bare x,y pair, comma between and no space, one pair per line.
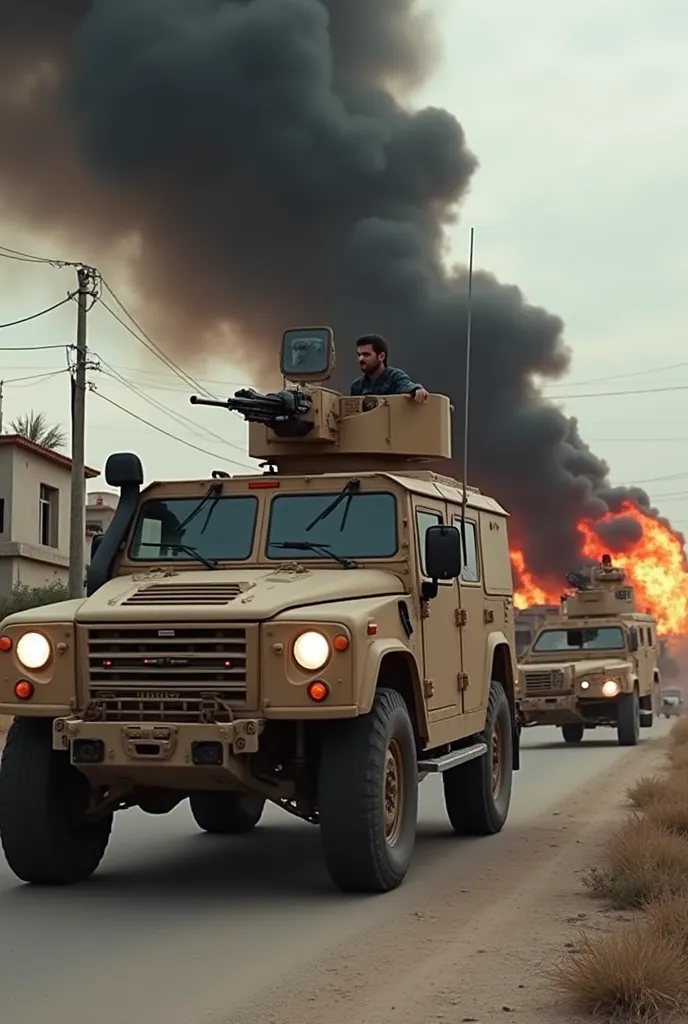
34,427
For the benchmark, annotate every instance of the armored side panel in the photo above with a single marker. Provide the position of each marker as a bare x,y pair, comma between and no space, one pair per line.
340,432
610,600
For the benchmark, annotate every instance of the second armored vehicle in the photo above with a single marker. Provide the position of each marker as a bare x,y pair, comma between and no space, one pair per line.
320,636
596,664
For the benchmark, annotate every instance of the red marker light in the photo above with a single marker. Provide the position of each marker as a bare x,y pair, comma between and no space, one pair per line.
318,691
5,643
372,629
263,485
23,690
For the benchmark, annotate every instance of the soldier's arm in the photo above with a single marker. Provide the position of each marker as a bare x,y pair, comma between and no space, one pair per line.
403,385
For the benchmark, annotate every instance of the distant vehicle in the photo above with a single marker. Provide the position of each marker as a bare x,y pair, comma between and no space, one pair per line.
596,664
672,705
321,635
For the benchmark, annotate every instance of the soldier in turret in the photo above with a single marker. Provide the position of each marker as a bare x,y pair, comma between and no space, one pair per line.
377,378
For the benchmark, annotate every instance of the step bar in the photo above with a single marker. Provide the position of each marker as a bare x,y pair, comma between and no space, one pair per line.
453,759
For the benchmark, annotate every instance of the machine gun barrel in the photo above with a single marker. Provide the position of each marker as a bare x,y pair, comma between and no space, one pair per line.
266,409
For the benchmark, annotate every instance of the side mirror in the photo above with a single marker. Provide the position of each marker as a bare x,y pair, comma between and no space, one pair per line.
633,640
442,552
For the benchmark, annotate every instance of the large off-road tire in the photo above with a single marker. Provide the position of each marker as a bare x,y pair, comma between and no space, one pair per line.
368,797
477,795
628,719
227,814
42,798
572,732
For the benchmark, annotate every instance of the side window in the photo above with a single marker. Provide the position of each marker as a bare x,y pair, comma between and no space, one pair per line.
471,570
641,636
650,641
423,521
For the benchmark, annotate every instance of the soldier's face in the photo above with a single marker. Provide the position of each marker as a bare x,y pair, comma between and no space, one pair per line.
368,359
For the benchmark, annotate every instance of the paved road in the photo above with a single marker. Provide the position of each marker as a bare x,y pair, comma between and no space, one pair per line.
179,927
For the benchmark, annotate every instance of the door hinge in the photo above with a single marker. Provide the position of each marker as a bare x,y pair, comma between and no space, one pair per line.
462,680
460,616
488,615
428,688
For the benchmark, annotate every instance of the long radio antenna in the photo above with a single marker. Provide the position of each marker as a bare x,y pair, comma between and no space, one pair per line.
467,394
467,383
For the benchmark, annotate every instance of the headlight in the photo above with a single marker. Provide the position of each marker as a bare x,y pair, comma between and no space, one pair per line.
34,650
311,651
610,688
585,685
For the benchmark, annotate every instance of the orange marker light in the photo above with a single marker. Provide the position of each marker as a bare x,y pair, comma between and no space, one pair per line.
341,642
318,691
23,690
5,643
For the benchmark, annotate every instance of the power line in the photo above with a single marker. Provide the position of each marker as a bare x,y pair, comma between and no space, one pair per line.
42,312
617,376
612,394
149,343
31,348
179,417
27,257
166,433
36,376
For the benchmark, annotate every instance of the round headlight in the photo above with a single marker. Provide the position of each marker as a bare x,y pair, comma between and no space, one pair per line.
311,651
585,685
610,688
33,650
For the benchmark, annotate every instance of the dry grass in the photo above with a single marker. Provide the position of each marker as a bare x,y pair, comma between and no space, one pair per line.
678,737
668,918
648,790
678,757
5,723
635,974
644,862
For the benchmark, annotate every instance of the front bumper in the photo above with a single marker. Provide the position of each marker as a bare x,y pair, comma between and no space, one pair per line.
136,745
567,708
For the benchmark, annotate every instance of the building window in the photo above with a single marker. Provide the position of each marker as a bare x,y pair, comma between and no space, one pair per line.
48,511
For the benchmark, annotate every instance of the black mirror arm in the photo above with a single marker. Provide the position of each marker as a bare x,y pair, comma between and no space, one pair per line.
429,589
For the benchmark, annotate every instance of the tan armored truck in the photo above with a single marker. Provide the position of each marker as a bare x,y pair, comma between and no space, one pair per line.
321,636
596,664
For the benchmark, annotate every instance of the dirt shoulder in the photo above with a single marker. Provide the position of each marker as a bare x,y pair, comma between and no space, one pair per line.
477,947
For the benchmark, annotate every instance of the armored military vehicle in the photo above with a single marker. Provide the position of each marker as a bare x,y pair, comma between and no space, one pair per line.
596,664
320,635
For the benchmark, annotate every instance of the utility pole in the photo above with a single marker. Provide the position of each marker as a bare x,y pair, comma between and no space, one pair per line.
2,389
86,276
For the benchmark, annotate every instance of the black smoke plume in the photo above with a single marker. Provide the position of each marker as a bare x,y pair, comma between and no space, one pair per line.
259,153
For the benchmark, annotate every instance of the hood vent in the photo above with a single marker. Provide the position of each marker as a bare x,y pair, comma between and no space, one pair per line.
170,594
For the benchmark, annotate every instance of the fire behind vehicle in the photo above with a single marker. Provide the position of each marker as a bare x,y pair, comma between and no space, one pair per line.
321,636
596,663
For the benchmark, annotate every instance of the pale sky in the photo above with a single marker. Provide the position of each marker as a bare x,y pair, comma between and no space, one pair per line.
578,114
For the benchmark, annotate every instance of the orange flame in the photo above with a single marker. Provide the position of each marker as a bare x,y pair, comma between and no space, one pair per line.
529,592
654,566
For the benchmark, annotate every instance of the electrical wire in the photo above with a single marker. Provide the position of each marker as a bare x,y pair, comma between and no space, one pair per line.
31,348
34,377
42,312
27,257
166,433
613,394
148,342
184,421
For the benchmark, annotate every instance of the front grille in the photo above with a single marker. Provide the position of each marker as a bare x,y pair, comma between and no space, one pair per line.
152,673
546,681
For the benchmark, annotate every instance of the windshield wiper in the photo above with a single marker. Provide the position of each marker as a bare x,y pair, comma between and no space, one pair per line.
187,549
350,488
214,491
319,549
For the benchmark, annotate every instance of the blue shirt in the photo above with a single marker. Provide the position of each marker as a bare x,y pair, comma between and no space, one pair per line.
390,382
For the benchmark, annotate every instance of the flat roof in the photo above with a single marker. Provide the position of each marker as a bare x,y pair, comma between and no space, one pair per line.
47,453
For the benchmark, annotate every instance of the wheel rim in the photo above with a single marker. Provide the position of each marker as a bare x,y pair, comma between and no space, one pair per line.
497,758
393,792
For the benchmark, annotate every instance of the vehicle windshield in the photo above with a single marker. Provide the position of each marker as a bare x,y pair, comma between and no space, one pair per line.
223,530
362,526
605,638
